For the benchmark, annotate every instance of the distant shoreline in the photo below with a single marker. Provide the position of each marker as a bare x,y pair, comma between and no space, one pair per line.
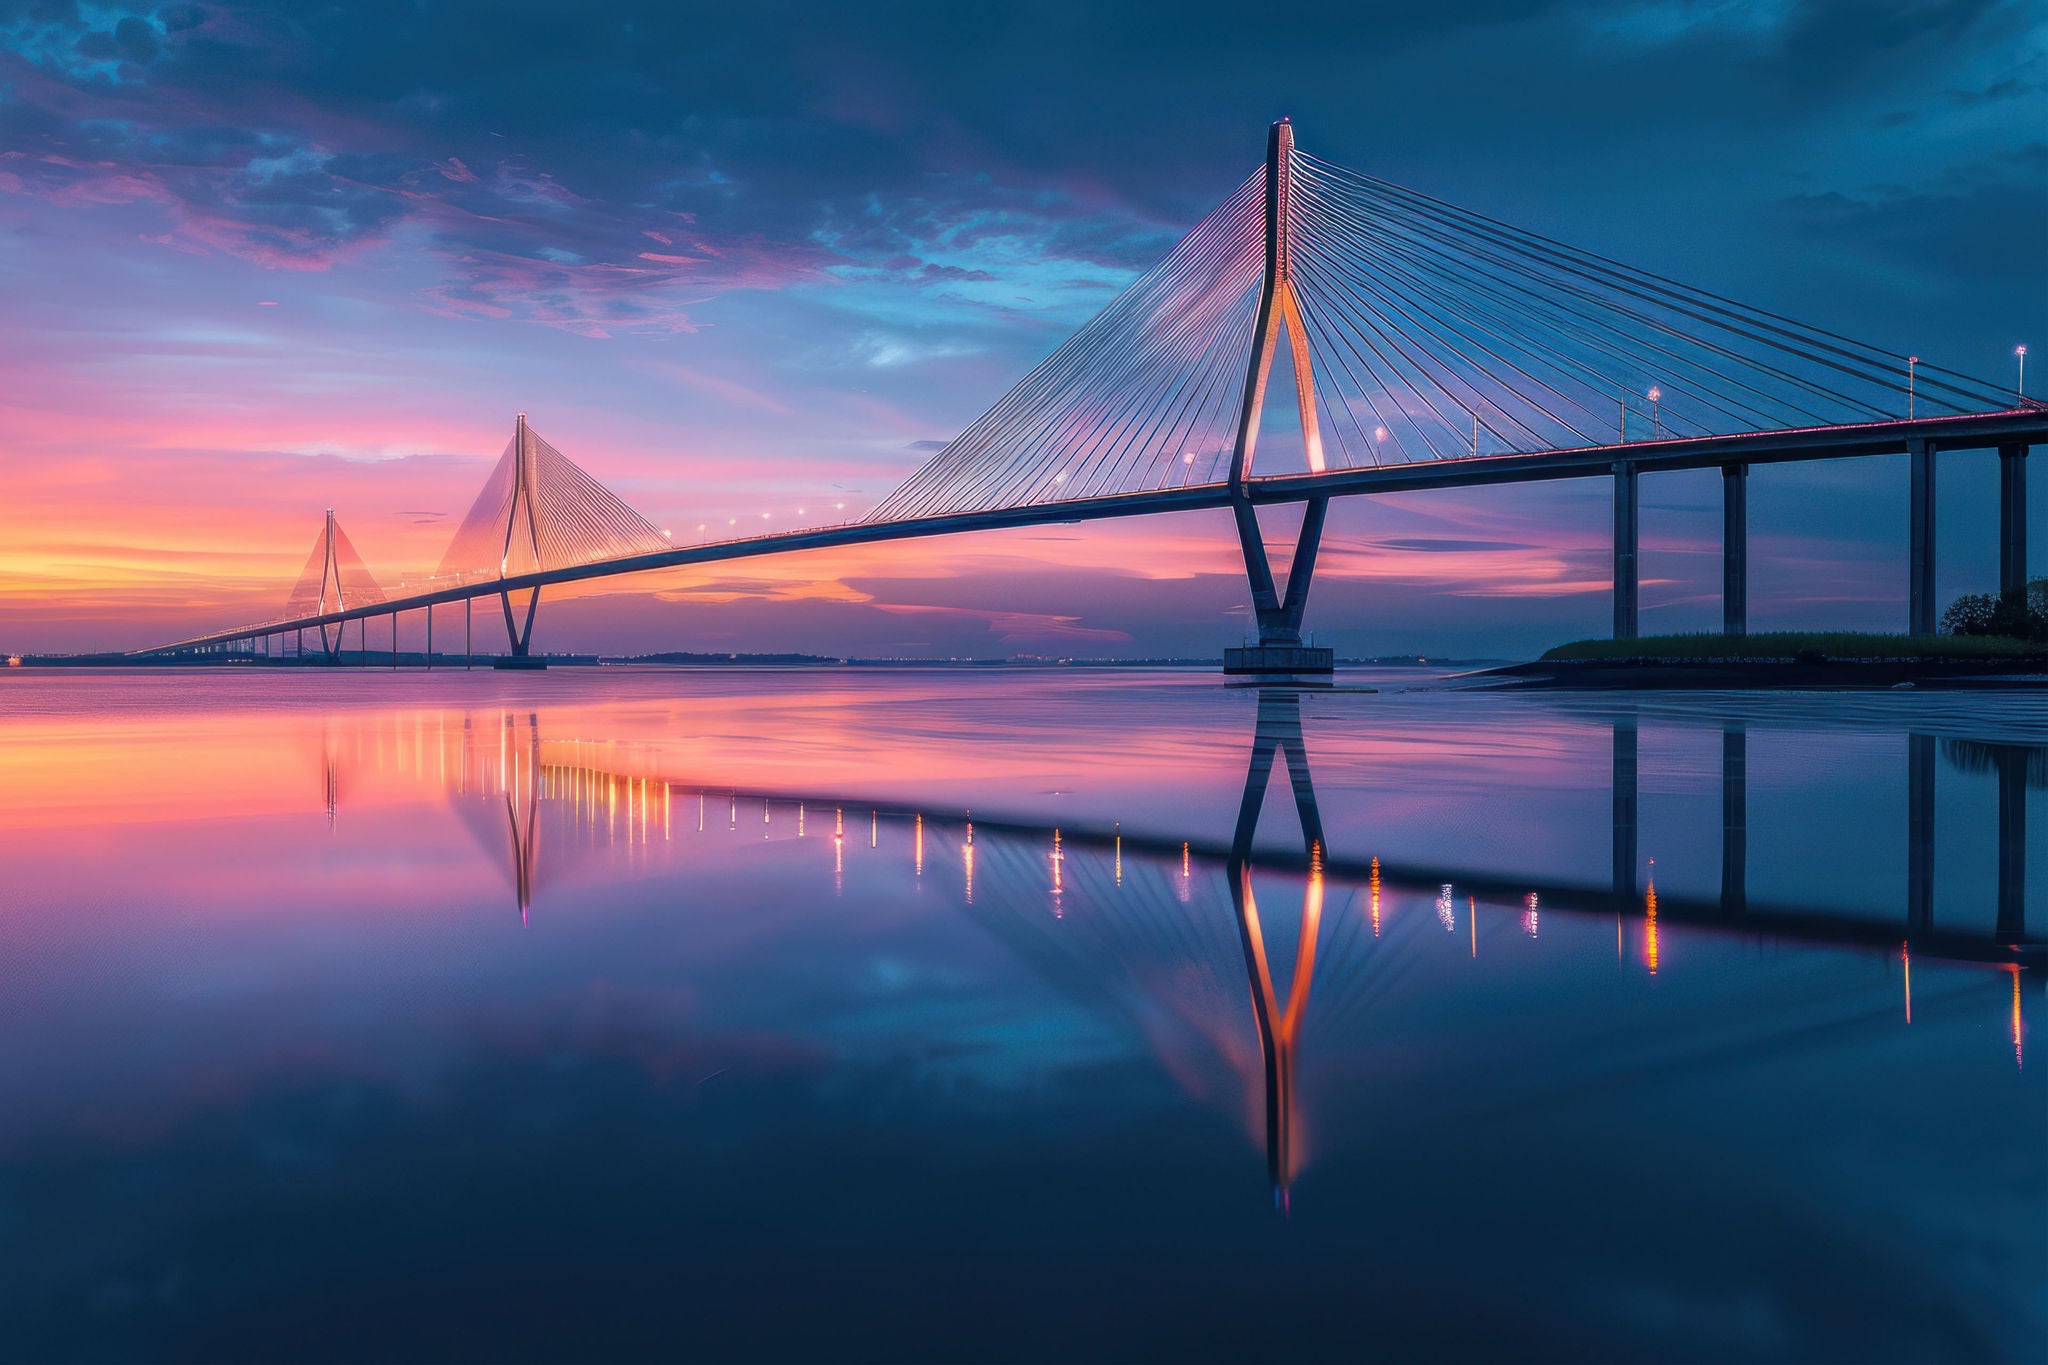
1780,674
413,659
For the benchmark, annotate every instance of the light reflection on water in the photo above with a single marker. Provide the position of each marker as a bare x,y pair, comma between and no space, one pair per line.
442,1015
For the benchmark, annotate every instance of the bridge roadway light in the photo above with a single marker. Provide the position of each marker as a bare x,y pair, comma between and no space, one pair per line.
2021,352
1656,415
1911,362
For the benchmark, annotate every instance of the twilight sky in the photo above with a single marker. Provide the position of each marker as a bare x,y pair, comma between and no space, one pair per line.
261,259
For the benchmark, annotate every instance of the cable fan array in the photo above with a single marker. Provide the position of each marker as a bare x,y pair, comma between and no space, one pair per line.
1432,333
1144,396
1440,333
538,511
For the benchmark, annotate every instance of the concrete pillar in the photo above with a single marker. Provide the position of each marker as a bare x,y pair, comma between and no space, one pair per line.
1734,819
2012,842
2012,518
1735,549
1625,536
1921,609
1625,806
1919,833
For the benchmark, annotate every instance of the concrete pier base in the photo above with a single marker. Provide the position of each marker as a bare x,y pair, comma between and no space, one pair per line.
1303,665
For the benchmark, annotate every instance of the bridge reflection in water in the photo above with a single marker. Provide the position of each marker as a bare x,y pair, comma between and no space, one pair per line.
1134,924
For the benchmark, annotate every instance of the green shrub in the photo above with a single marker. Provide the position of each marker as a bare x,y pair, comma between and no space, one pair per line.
2021,614
1793,644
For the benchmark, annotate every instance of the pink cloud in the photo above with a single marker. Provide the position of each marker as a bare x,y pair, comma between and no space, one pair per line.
1020,627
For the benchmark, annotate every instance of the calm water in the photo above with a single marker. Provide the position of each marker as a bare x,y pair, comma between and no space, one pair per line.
943,1015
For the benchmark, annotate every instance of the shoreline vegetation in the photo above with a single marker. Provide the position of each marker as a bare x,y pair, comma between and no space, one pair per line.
1786,659
1800,646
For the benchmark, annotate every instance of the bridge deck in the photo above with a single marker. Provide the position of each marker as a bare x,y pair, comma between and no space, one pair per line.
2018,426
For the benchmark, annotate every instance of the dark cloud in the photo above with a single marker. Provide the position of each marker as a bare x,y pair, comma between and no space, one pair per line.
537,145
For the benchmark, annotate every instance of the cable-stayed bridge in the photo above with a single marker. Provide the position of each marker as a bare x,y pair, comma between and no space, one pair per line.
1425,347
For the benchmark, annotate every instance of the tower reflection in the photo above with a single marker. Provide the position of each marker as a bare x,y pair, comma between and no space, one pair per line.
1279,1027
2017,767
1170,935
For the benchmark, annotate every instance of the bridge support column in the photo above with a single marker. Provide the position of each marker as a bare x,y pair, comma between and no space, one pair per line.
1919,833
1625,807
1734,819
2012,518
1280,654
522,639
1625,535
1735,549
468,646
430,638
1921,611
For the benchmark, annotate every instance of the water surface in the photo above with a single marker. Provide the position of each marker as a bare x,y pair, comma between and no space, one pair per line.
1009,1015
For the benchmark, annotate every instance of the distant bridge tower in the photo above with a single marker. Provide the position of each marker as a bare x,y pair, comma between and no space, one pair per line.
538,512
521,517
335,579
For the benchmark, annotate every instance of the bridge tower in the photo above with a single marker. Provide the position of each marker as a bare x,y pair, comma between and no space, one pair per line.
330,585
538,514
334,580
522,525
1279,655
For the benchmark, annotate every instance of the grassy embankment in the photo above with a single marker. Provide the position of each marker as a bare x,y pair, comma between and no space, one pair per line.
1799,645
